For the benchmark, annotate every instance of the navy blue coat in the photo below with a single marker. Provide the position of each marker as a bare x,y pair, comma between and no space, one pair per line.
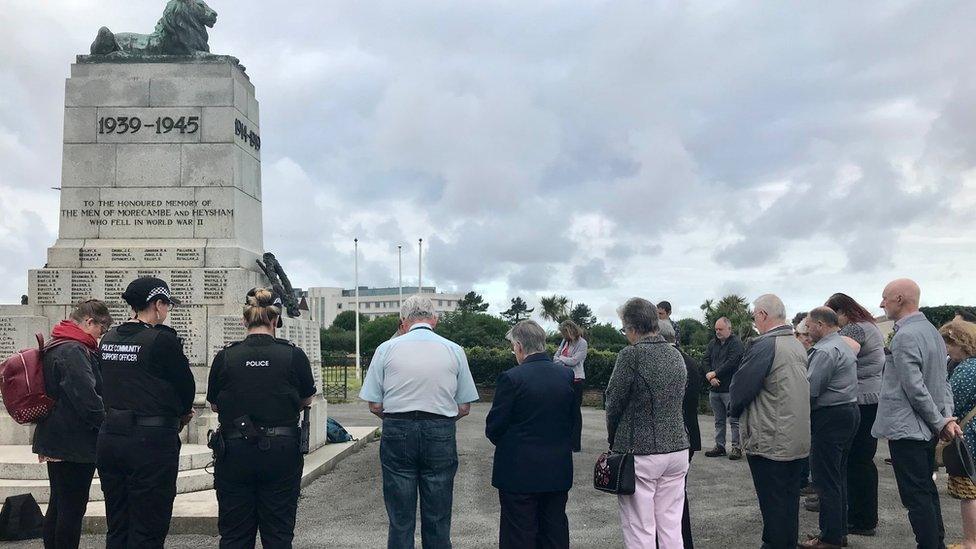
531,425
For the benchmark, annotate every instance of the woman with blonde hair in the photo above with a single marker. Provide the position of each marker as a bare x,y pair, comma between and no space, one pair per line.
572,353
258,387
960,340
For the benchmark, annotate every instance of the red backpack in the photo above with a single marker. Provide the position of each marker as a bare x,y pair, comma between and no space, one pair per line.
22,383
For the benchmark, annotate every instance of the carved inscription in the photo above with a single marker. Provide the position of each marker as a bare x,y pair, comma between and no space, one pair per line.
82,285
162,124
7,331
146,213
115,282
214,284
247,135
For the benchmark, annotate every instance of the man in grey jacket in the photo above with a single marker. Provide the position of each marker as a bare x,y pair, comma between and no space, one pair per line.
770,395
834,419
915,409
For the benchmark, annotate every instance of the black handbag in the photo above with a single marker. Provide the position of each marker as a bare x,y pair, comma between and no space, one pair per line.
958,461
614,471
614,474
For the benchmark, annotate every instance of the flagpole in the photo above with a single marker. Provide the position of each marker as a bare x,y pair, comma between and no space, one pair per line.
359,370
420,266
400,273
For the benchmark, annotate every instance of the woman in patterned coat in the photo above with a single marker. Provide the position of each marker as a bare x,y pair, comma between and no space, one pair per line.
960,339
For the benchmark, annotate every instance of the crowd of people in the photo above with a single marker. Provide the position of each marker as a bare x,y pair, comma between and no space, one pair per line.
806,403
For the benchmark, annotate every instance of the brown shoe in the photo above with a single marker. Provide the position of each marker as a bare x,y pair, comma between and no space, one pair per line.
816,543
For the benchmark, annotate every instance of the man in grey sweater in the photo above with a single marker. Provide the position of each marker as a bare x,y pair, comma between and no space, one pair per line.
915,409
834,419
770,396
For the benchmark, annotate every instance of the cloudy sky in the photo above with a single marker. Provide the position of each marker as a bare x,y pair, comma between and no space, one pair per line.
595,149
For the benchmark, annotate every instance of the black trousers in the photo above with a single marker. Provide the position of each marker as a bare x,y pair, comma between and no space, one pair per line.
778,490
862,473
578,425
258,490
533,520
914,461
831,434
138,471
70,483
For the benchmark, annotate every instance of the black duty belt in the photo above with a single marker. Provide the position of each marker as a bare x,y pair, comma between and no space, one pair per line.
153,421
414,415
157,421
269,432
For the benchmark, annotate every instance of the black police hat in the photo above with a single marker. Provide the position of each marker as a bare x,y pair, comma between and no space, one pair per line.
143,291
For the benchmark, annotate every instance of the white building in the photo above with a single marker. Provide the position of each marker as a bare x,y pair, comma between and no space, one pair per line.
326,303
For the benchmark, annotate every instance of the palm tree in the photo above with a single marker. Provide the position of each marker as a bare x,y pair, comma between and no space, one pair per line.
736,309
555,307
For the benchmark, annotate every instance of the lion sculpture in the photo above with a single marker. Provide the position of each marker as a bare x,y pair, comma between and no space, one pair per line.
182,30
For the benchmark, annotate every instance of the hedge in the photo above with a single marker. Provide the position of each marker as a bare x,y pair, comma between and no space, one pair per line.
486,363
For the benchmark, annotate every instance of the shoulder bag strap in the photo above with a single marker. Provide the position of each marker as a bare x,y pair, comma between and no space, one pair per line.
969,417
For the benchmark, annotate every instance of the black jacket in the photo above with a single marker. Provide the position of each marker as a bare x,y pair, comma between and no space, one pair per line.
723,359
73,379
531,425
690,404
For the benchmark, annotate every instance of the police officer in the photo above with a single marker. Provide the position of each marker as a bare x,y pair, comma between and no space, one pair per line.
258,387
148,393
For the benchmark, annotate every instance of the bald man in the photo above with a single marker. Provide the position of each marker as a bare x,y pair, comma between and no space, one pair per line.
915,409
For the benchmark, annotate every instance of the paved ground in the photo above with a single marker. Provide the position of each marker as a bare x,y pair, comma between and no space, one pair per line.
345,508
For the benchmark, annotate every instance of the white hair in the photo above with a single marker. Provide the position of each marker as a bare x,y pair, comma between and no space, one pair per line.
666,330
725,319
417,307
530,335
771,304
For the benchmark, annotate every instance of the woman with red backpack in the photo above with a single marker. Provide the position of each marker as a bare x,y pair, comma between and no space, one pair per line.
65,439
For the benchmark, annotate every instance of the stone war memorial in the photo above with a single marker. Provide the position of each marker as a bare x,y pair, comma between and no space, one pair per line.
161,176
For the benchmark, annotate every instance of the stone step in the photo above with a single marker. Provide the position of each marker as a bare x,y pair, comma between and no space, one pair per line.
193,480
17,462
196,512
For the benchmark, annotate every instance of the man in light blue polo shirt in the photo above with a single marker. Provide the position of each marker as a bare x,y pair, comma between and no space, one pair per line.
419,383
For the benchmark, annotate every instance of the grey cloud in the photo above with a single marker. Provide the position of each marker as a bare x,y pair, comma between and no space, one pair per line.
397,120
592,274
531,278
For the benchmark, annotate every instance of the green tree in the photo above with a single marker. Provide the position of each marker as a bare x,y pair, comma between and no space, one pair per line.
606,337
346,320
473,329
518,311
943,313
693,332
337,341
736,309
472,303
583,316
554,308
377,331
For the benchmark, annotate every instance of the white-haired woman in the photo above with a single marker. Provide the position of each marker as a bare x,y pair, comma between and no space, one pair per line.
645,418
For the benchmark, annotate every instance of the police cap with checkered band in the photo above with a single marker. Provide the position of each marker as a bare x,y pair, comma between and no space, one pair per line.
143,291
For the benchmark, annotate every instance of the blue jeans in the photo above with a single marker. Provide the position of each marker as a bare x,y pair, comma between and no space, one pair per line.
419,456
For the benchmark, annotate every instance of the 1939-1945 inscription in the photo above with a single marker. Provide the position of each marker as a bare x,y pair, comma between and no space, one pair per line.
162,124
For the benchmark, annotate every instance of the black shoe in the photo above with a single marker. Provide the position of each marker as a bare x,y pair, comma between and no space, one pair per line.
862,531
735,454
717,451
